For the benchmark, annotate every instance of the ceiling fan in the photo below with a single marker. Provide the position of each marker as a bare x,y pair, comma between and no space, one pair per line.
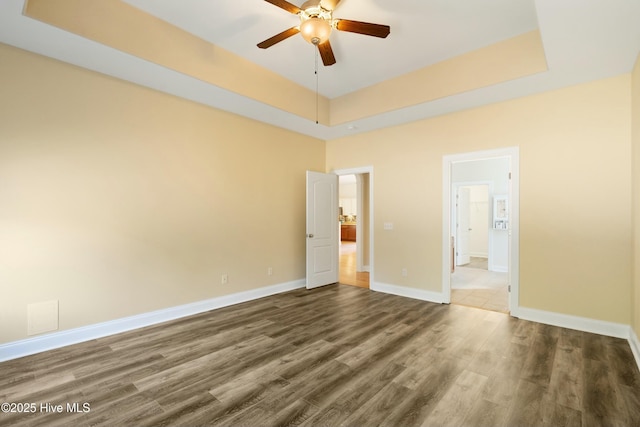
316,23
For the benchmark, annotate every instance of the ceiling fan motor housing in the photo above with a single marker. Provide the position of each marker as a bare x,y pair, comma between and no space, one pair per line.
312,4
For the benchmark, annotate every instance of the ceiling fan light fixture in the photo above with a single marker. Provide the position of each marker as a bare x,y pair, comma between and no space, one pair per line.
315,30
316,25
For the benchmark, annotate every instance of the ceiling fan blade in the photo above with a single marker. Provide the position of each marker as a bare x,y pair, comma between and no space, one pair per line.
279,37
330,4
282,4
326,53
365,28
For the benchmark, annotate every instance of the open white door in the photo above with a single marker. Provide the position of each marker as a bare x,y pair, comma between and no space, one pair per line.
322,229
463,228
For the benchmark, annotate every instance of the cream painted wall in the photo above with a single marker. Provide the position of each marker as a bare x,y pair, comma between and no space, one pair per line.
509,59
635,135
118,200
575,194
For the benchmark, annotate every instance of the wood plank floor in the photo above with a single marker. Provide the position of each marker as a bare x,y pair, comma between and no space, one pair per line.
348,267
337,355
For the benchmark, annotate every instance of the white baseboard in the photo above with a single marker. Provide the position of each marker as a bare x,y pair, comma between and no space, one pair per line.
403,291
584,324
479,254
16,349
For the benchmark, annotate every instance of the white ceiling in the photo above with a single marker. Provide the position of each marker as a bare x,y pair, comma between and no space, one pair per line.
583,40
423,32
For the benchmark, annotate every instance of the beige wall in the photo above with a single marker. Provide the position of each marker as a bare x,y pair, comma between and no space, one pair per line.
519,56
118,200
635,135
575,194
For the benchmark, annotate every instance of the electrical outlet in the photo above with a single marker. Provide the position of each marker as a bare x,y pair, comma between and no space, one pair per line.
225,279
270,271
404,272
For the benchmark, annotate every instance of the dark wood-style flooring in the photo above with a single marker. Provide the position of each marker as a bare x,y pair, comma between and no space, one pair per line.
337,355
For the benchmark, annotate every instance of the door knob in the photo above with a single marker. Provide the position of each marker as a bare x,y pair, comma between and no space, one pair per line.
310,236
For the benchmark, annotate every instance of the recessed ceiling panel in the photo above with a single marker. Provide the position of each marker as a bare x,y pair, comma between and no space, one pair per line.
423,32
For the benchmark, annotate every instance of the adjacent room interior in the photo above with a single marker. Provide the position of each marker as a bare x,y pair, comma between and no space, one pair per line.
480,235
354,229
152,212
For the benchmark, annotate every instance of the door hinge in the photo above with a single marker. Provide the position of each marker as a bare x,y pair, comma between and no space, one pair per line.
509,175
509,288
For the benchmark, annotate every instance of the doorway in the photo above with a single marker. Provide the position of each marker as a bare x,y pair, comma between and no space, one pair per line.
475,279
480,249
354,222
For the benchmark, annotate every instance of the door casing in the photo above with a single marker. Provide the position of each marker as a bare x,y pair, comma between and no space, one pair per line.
513,154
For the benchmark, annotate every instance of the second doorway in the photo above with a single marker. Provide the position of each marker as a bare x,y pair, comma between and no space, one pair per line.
353,222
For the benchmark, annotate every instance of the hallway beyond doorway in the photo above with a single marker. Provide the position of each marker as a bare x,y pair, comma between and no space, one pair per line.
500,169
348,273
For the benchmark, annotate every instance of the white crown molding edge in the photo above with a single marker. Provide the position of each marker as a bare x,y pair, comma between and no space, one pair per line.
29,346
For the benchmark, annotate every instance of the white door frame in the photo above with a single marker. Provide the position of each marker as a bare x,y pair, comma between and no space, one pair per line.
358,171
513,154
